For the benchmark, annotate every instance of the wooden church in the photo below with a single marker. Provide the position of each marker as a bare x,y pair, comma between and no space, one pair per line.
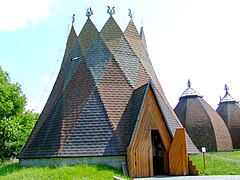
229,109
203,124
108,107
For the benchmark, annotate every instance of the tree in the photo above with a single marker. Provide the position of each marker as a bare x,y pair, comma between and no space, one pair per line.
15,123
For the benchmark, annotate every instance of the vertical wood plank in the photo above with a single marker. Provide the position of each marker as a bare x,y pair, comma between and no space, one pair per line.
178,157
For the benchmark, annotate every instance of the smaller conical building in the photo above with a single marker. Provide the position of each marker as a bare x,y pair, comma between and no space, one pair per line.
229,110
204,126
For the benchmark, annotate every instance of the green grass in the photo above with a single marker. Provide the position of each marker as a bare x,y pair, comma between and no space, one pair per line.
84,172
220,163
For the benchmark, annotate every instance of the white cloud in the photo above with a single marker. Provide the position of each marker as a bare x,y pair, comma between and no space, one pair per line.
18,14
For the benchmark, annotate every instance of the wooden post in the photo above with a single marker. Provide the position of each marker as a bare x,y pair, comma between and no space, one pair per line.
204,157
204,160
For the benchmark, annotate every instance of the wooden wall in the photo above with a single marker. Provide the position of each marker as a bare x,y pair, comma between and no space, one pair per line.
140,151
178,156
139,154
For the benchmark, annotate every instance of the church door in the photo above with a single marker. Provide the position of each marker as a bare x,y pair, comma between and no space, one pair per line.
157,149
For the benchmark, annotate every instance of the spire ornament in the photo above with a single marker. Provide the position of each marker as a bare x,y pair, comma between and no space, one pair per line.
89,12
226,88
220,99
189,83
130,14
141,32
111,11
73,18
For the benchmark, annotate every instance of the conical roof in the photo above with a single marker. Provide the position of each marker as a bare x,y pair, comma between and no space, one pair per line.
94,103
204,126
229,110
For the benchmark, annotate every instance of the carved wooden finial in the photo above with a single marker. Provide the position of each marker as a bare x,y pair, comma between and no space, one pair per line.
130,14
226,88
111,11
89,12
189,83
73,18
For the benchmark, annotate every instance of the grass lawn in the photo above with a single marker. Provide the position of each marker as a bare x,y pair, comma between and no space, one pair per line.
218,163
84,172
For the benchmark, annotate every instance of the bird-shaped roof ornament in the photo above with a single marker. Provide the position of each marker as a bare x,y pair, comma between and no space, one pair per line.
111,11
73,18
89,12
130,14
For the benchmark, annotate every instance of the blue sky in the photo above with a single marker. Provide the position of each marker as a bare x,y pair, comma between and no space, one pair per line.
187,39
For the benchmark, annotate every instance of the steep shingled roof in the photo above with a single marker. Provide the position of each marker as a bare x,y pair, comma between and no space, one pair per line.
72,38
96,98
204,126
87,36
229,110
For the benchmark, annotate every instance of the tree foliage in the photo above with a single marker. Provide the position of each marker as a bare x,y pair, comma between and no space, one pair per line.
15,123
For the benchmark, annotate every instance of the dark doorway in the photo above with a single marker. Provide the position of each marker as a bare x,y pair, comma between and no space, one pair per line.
158,163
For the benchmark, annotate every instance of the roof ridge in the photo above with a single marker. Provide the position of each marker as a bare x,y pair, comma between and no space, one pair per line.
215,126
110,123
125,76
72,37
140,110
89,71
161,108
131,30
112,45
81,67
190,92
85,38
208,114
227,98
111,26
147,64
98,45
95,87
138,57
43,120
130,45
113,65
120,47
140,69
143,38
96,96
71,51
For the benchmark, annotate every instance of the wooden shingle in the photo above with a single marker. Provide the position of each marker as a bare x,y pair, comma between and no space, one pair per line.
97,96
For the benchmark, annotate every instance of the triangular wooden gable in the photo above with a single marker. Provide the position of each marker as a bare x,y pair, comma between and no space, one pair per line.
139,154
140,149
